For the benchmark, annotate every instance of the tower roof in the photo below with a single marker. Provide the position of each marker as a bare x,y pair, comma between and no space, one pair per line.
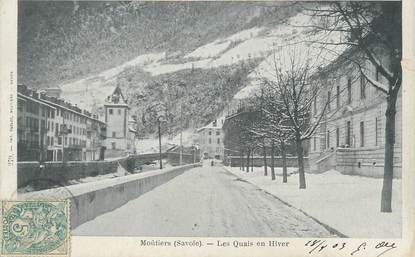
116,98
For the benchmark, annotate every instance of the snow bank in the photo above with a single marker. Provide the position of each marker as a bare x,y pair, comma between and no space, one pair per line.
349,204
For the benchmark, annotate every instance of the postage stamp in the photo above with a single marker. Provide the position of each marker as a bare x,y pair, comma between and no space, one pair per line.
35,228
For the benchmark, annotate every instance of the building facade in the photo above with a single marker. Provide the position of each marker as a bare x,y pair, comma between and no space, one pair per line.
351,136
65,132
211,140
32,139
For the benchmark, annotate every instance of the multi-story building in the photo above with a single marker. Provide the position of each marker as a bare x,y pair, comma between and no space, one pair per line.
32,118
66,133
211,140
120,139
351,136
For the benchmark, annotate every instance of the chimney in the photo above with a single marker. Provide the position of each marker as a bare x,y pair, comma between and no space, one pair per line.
54,92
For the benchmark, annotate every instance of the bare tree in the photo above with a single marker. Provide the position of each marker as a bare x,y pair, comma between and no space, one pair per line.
375,30
291,80
273,126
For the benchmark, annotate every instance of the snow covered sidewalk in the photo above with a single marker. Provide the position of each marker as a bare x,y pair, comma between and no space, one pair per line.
349,204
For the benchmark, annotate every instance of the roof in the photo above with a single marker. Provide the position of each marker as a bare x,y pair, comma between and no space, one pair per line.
35,100
219,124
116,98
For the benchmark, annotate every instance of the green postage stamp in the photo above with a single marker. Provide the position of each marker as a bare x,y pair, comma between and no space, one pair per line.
35,228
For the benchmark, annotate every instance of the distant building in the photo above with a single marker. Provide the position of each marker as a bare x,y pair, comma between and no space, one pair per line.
211,140
120,139
351,136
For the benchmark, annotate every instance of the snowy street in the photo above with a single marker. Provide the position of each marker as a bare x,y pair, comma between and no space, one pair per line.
204,201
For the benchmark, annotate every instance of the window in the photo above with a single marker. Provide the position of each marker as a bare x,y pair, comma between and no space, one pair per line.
210,140
113,134
338,97
113,145
110,111
218,140
362,87
349,91
337,137
210,133
348,133
378,131
314,143
119,111
362,134
217,133
59,140
328,100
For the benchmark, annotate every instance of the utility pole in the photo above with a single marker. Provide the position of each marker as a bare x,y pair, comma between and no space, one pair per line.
159,132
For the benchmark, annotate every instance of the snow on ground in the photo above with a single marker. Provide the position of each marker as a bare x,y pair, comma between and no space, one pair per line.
209,50
204,202
349,204
158,69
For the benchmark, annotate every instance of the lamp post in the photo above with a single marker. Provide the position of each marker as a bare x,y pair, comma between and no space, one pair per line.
181,135
159,134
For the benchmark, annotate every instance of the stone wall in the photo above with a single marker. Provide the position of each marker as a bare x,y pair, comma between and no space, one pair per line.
174,158
90,200
234,161
366,162
58,173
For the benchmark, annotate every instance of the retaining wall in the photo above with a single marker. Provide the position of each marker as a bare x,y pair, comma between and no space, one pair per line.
58,173
174,158
90,200
366,162
235,161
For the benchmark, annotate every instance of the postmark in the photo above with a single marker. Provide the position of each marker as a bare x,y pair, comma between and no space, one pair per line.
35,228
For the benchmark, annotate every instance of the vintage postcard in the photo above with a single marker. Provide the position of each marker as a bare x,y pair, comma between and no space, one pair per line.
207,128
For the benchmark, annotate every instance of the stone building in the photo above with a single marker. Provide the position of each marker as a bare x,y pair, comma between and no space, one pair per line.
211,140
120,139
351,136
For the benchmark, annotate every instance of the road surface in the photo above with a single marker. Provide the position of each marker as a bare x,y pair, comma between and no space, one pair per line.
206,202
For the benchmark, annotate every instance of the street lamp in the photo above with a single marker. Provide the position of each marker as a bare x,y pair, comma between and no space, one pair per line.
160,119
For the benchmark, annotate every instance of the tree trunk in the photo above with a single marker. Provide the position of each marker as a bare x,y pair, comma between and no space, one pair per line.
284,163
272,161
248,153
264,149
386,201
241,160
300,158
252,161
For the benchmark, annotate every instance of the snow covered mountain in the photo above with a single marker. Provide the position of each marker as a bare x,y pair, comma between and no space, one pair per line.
216,51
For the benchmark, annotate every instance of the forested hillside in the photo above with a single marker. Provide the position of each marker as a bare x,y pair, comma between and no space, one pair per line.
61,43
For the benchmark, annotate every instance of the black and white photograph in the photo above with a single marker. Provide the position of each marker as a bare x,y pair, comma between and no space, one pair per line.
213,119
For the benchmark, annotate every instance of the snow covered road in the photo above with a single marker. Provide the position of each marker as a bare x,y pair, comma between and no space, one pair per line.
204,201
